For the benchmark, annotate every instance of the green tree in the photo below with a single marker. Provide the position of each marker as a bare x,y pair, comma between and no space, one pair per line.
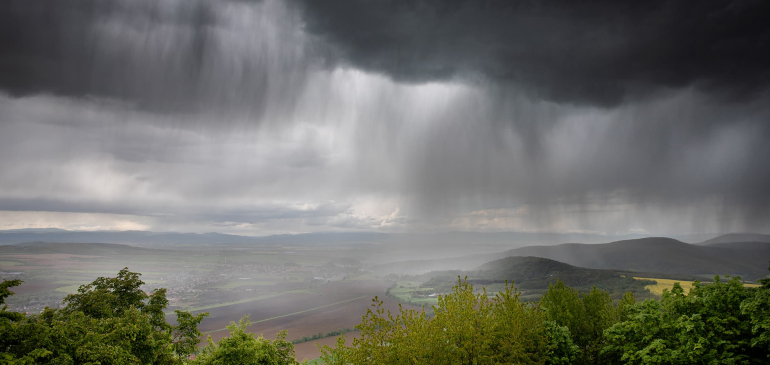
243,348
110,321
5,292
757,308
562,350
712,324
586,317
467,328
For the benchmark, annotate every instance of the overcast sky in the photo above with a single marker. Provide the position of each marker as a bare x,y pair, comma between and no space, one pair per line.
264,117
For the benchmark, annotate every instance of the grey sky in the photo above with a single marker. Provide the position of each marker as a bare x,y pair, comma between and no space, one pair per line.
259,117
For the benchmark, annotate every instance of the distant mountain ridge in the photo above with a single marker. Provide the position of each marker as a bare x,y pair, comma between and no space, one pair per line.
173,238
92,249
655,254
738,237
519,239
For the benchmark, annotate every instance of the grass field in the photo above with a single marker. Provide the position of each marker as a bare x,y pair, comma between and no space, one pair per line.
663,284
404,291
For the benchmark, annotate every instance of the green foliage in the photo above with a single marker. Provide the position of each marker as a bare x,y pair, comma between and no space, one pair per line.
110,321
586,316
757,309
6,315
186,334
467,328
109,297
245,349
562,350
321,335
719,323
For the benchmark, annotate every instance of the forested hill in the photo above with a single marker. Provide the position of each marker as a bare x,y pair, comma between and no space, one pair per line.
535,274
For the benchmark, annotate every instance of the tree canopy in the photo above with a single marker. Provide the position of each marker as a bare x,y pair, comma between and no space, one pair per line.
109,321
716,323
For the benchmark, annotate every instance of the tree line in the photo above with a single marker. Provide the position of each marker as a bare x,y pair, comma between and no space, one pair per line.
321,335
113,321
717,323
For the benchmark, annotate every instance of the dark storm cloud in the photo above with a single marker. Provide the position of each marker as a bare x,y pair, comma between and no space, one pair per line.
595,52
165,55
230,112
669,152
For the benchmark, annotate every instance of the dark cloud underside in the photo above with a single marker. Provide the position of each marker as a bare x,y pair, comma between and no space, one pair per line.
594,52
162,55
292,115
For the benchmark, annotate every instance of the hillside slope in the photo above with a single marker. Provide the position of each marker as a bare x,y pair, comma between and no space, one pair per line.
737,237
96,249
657,254
533,275
664,255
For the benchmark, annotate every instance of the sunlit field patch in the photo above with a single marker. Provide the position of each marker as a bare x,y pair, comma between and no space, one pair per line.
663,284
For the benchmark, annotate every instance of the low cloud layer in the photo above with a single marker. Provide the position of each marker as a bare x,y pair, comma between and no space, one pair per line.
284,116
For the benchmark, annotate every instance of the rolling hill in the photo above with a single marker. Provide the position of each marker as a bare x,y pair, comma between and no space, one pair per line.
656,254
533,275
664,255
737,237
96,249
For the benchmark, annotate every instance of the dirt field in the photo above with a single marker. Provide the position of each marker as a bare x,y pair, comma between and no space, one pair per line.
32,287
309,351
329,307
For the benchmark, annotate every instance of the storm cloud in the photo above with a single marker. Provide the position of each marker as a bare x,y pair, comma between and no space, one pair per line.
274,116
597,52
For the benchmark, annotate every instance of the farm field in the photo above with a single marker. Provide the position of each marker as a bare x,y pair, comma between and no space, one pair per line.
412,292
663,284
325,308
302,292
309,350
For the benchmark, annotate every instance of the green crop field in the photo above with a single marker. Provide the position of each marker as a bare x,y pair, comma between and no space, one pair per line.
405,292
